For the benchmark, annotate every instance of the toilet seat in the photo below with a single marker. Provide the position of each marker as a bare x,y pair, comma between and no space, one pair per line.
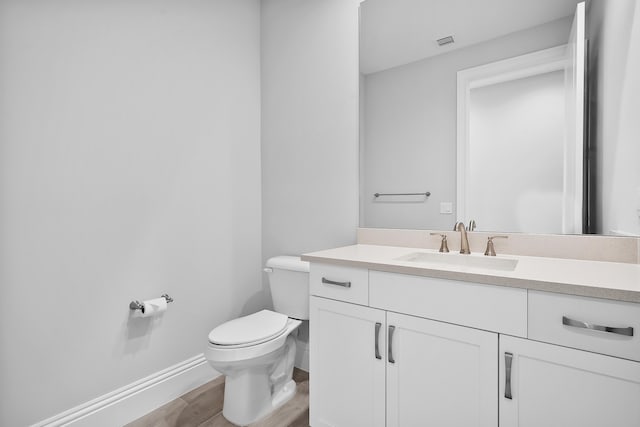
249,330
242,352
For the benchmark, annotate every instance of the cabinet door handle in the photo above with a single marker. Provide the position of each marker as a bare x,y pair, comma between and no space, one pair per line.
391,331
377,337
586,325
508,357
331,282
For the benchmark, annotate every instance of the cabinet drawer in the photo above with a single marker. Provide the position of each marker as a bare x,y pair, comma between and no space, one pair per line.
492,308
341,283
602,326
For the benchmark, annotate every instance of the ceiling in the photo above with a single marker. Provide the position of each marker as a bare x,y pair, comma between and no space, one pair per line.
396,32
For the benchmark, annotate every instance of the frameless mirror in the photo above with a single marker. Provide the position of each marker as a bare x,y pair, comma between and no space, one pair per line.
473,109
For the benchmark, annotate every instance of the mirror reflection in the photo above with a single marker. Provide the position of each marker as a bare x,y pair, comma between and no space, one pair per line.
480,104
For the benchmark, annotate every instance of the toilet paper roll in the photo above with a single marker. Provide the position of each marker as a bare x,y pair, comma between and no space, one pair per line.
152,307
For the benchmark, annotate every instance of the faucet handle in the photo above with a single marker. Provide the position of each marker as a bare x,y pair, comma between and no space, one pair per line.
443,244
472,225
490,251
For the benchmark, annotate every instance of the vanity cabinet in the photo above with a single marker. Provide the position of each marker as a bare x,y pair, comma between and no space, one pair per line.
374,367
348,385
574,370
397,350
440,374
551,386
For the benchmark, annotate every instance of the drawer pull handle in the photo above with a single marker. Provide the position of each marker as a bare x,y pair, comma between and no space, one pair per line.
508,358
377,337
391,331
331,282
579,324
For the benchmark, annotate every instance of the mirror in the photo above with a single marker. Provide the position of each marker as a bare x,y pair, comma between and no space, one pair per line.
518,118
410,149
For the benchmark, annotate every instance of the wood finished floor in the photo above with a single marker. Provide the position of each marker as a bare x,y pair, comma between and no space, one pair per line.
202,407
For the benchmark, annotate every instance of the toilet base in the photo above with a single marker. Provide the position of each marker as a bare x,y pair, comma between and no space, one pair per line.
240,415
254,392
283,396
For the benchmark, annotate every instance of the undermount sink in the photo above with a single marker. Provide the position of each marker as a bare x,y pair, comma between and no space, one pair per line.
454,259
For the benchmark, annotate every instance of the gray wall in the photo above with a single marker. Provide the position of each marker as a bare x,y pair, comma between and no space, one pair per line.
614,88
309,129
132,165
130,162
309,125
410,129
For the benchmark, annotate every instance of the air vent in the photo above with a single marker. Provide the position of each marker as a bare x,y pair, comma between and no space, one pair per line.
445,40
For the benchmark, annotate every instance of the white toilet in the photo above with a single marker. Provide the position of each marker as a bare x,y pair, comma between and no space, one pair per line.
256,353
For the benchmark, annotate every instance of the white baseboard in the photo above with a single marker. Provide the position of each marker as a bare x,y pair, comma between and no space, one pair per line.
136,399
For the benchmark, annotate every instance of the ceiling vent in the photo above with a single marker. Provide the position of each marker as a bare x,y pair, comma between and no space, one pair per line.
445,40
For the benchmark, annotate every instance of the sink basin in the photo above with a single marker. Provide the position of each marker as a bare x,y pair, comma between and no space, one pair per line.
453,259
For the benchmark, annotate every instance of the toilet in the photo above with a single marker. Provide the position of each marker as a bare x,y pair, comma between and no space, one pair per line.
256,353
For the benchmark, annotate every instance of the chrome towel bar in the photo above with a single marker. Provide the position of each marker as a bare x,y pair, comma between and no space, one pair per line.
426,194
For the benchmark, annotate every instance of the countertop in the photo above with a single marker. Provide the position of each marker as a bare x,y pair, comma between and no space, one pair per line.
610,280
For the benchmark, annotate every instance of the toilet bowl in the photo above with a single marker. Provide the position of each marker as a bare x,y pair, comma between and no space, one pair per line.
256,353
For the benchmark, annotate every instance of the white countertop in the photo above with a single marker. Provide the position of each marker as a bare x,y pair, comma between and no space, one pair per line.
610,280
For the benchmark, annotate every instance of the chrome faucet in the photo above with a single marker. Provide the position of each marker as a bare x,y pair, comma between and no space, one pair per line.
464,241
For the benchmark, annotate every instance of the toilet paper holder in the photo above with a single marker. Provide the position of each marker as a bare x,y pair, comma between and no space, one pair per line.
137,305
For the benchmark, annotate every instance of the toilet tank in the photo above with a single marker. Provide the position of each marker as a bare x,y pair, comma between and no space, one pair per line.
289,283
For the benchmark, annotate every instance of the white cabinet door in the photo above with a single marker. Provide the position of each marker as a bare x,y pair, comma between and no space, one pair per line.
347,383
440,374
555,386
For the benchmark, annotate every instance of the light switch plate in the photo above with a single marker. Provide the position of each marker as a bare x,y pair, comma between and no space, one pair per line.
446,207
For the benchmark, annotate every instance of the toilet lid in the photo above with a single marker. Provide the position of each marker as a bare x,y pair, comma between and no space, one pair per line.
254,328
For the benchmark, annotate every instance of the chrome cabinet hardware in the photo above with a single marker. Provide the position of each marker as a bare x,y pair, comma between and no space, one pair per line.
508,357
491,251
377,339
331,282
391,331
443,244
628,331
